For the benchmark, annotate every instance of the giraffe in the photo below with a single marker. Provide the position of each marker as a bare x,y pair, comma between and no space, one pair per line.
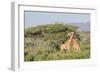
67,44
75,44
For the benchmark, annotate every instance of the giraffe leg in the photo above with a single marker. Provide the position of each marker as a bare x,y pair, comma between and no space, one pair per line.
62,47
79,49
74,49
68,48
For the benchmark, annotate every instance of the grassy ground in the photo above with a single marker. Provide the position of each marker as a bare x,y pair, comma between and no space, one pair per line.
49,54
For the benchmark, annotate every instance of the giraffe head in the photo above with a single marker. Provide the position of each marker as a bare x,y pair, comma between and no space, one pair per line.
70,33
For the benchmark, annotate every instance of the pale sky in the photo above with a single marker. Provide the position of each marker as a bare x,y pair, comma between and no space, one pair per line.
39,18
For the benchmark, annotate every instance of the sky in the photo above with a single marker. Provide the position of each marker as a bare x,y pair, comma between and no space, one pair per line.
33,18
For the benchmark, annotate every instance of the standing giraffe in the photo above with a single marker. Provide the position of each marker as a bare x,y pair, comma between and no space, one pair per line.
67,44
76,44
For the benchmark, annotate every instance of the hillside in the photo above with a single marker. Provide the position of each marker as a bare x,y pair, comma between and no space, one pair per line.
42,42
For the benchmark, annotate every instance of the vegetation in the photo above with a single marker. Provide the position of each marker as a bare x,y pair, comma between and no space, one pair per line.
42,42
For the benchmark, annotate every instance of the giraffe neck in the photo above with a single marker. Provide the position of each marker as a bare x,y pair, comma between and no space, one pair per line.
69,40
